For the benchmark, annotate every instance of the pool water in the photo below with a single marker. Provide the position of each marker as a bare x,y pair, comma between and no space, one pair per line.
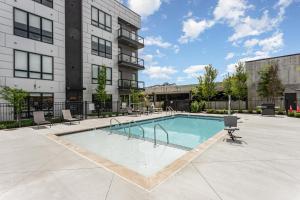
184,130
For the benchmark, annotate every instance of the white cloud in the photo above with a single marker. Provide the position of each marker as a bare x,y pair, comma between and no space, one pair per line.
188,15
257,55
251,43
229,56
194,70
234,14
157,41
231,68
158,72
253,27
176,49
230,11
144,8
270,44
193,28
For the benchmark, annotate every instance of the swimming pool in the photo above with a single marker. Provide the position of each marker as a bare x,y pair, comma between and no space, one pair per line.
184,130
135,159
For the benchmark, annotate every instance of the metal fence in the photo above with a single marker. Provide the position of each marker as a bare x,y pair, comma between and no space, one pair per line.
82,109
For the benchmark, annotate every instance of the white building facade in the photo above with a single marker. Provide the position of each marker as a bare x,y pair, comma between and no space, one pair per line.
54,49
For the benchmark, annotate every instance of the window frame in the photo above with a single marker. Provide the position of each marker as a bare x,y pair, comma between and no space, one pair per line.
28,71
100,53
42,2
28,32
97,23
95,80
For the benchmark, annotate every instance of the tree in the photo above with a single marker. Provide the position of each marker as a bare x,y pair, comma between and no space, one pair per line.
137,96
269,85
239,82
208,85
16,97
197,91
101,95
227,84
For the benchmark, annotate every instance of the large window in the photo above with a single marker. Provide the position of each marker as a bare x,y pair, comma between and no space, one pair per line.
32,65
101,47
32,26
48,3
95,71
101,19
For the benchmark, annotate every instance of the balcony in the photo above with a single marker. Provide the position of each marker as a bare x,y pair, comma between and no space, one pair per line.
130,61
125,84
130,38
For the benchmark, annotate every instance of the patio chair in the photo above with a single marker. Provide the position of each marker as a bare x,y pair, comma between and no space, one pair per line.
39,119
68,117
230,123
131,111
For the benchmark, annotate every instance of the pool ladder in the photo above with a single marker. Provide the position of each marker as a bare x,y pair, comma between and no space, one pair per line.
134,122
143,130
111,124
164,130
170,109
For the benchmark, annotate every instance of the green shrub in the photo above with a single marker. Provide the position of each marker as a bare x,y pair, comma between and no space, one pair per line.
194,107
240,111
280,112
291,114
15,124
297,114
211,111
202,105
222,112
250,111
258,111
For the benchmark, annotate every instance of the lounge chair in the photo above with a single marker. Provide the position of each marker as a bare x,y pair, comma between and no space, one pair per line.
131,111
39,119
68,117
230,123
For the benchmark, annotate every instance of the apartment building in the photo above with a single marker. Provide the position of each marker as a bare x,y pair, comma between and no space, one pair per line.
54,49
289,73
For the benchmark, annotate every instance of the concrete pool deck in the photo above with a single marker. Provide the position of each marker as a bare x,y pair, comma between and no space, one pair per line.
265,165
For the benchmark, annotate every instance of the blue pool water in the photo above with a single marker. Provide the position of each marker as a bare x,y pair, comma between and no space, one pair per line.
184,130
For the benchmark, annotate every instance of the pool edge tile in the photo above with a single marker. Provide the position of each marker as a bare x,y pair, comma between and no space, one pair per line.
146,183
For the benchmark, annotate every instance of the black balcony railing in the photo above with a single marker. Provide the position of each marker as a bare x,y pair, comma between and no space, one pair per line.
130,61
131,38
125,84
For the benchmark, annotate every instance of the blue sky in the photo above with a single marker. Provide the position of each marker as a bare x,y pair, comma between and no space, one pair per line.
182,36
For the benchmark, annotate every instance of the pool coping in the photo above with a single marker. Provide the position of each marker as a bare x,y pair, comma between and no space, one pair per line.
146,183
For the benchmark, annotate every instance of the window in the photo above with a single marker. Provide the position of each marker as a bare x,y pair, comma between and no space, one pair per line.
32,26
120,75
101,47
48,3
133,77
96,70
32,65
101,19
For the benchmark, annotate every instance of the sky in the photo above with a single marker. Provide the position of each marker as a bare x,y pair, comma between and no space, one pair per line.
183,36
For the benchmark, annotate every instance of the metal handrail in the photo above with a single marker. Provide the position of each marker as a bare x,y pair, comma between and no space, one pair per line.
129,34
129,134
170,109
128,84
162,128
131,59
119,124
